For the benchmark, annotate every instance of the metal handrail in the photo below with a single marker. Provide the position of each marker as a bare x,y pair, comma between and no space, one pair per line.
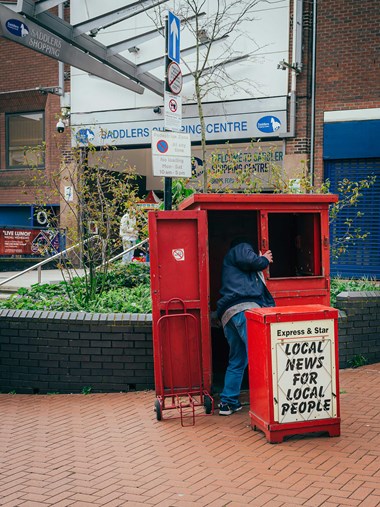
59,254
118,256
45,261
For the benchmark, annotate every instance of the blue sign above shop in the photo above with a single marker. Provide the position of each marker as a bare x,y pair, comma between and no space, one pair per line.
268,124
17,27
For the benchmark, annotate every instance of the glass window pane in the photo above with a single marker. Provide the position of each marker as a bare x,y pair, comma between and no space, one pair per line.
25,134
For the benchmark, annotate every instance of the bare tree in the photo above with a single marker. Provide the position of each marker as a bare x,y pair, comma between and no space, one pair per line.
211,23
209,31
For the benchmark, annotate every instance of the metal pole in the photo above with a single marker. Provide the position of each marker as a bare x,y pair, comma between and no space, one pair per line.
313,87
168,180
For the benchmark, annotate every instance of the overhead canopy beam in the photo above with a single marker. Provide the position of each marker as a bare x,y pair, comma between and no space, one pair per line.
87,44
156,62
116,16
44,5
208,70
126,44
45,42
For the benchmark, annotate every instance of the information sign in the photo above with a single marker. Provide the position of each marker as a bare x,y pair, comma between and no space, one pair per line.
171,154
173,112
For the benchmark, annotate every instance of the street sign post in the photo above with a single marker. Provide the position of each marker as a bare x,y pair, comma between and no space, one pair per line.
174,34
171,154
173,104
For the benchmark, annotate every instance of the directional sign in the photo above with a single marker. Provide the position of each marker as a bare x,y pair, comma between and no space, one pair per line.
174,27
27,33
175,79
171,154
173,112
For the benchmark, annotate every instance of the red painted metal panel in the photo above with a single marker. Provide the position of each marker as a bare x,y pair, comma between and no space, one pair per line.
256,201
314,359
179,270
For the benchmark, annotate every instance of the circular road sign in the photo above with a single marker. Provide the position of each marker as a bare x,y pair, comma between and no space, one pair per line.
173,106
162,146
175,79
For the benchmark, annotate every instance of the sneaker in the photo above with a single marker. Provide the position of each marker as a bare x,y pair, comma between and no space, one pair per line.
225,409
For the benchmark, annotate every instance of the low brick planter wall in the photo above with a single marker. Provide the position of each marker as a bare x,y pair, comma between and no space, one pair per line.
359,327
45,352
42,352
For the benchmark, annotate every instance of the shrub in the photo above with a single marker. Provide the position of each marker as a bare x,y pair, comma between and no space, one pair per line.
339,285
126,288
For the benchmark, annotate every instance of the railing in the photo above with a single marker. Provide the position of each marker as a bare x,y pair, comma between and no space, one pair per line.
64,252
118,256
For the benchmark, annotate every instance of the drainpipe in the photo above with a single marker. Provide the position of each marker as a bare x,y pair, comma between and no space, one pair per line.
313,86
61,79
295,66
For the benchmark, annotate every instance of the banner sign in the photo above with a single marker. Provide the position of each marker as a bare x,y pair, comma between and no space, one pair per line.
36,242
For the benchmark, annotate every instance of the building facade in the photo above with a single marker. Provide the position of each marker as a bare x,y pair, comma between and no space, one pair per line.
312,107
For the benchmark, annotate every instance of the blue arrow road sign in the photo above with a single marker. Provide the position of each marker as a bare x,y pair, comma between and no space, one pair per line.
174,27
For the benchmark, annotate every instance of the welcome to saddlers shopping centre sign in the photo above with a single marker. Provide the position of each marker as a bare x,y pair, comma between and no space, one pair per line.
240,165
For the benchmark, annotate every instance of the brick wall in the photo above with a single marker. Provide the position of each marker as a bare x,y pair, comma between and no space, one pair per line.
64,352
45,352
347,60
359,327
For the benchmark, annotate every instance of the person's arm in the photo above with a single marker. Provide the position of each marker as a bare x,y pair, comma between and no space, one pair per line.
246,259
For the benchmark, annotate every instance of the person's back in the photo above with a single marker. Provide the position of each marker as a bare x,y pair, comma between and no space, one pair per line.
240,280
242,288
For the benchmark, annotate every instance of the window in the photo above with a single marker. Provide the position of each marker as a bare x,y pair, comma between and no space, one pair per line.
25,135
294,239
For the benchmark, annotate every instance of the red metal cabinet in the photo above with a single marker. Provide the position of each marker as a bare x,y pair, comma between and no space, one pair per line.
293,370
179,270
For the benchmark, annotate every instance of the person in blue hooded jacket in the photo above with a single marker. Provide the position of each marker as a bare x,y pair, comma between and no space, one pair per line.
242,288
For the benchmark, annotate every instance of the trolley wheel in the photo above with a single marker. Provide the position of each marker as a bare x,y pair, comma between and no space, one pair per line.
158,410
207,403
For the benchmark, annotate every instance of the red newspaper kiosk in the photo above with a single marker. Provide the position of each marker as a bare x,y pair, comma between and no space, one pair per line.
187,248
293,370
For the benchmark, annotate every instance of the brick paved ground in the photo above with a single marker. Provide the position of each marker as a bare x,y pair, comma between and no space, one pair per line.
109,450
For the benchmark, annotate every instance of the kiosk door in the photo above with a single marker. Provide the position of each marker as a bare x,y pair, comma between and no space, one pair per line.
179,270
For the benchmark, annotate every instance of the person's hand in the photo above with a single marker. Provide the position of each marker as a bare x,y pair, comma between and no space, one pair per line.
268,255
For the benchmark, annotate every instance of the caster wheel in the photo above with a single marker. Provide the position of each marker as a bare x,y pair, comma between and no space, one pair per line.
158,410
207,402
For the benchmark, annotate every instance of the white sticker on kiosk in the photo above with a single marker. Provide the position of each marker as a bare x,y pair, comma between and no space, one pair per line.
178,254
303,367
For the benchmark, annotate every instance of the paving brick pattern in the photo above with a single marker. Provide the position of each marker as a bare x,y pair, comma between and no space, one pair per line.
109,450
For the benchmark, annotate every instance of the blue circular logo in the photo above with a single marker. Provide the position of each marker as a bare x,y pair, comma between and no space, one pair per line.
268,124
85,136
17,27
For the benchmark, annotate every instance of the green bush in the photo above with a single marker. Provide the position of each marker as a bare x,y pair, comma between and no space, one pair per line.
339,285
127,290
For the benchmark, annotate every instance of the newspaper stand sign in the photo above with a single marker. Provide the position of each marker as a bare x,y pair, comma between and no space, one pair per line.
171,154
295,372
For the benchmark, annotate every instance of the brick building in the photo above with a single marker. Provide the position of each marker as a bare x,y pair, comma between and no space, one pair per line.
336,92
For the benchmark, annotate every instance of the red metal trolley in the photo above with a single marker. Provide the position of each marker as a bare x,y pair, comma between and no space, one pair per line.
178,364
